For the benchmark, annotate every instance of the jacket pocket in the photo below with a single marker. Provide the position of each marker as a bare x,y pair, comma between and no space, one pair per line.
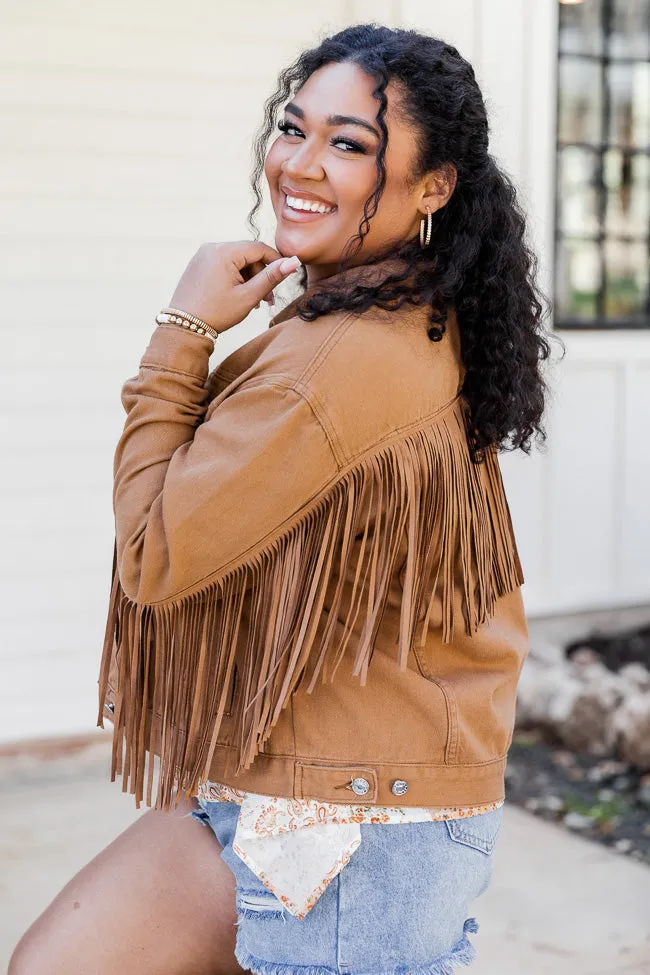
479,831
451,745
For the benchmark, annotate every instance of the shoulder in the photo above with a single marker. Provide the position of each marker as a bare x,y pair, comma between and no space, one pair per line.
365,375
280,354
389,350
368,345
379,375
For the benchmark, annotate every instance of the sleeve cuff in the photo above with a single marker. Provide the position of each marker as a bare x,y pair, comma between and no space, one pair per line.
172,347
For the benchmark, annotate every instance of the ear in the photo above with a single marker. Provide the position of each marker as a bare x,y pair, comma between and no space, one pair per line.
438,186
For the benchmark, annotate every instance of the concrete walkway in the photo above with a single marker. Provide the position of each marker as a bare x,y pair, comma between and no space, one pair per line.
558,904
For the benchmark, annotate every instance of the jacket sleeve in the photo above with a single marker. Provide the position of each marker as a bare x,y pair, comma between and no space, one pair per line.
194,495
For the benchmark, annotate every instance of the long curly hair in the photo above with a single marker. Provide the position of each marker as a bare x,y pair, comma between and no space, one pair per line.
478,260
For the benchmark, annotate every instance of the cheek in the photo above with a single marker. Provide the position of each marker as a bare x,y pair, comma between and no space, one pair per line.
353,184
273,167
397,207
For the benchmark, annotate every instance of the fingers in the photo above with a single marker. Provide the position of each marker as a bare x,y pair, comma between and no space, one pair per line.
253,258
254,252
261,285
250,271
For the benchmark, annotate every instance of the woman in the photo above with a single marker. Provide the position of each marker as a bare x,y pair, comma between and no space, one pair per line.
316,589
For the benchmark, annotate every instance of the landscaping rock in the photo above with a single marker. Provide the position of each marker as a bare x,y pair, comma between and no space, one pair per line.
582,738
606,795
539,686
622,783
624,845
552,803
636,676
630,727
607,814
643,796
595,699
575,820
581,711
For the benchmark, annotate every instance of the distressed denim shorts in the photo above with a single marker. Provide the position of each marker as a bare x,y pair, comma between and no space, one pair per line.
399,907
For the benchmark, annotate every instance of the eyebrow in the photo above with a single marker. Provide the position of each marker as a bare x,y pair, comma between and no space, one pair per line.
334,119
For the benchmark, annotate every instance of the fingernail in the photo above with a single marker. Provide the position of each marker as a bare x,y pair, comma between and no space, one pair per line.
289,265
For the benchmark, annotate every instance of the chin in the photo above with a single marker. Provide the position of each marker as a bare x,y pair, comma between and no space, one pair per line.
297,246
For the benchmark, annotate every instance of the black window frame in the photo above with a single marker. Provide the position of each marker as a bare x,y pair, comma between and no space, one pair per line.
600,321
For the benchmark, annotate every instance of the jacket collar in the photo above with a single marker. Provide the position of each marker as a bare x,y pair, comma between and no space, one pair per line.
363,274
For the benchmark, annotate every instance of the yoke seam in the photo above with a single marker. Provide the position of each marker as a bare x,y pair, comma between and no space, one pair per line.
329,483
326,347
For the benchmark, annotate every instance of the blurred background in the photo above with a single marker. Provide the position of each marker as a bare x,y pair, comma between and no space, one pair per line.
125,132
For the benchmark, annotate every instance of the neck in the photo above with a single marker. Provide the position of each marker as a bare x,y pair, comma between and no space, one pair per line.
318,272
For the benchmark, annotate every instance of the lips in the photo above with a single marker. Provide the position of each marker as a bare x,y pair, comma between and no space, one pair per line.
312,206
302,206
306,197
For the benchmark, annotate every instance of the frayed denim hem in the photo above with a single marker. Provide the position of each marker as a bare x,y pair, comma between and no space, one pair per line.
463,953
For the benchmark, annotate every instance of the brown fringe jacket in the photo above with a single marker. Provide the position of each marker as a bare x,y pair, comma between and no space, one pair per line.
312,582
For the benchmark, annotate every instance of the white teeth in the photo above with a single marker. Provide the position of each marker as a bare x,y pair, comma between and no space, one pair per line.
298,204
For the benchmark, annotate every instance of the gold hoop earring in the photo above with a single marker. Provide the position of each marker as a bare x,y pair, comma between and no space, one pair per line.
425,235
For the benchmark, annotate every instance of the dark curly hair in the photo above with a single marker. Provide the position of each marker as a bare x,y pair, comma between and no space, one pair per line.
478,259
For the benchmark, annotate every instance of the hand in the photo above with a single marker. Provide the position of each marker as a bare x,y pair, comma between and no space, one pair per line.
224,282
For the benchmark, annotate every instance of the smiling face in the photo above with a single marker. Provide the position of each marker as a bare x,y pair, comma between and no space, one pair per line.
321,169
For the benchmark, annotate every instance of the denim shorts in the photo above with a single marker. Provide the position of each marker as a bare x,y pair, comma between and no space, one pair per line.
398,907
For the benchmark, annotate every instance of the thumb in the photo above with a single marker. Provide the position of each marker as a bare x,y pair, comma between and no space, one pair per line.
259,286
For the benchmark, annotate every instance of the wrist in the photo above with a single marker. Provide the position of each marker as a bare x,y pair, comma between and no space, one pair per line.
177,316
175,348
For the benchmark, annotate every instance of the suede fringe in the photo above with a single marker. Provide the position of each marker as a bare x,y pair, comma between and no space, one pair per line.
176,659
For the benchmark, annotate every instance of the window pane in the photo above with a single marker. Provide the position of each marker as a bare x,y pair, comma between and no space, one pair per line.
580,27
630,36
626,279
577,279
580,106
578,192
629,98
627,178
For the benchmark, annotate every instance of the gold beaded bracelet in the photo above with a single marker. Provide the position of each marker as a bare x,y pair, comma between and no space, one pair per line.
174,316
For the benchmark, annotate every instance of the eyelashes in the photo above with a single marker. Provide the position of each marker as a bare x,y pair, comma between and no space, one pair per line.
288,128
285,126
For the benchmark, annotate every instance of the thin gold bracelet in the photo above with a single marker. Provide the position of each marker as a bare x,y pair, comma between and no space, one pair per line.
174,316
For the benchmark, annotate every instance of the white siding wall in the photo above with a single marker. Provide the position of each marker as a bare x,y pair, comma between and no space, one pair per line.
125,134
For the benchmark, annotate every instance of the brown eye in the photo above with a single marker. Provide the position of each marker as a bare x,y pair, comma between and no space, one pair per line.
348,145
288,128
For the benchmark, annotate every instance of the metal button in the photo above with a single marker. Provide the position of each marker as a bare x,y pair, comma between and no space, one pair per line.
360,786
110,707
399,787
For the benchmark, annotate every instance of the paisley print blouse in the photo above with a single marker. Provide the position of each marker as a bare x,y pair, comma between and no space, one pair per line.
276,837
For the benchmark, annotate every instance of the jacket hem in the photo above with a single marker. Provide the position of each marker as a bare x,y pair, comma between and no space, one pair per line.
428,785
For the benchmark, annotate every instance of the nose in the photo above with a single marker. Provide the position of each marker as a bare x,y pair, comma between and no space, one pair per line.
304,162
